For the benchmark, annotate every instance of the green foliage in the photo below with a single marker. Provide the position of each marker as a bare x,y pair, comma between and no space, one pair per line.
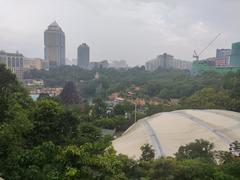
43,95
69,95
121,109
87,133
51,123
147,152
43,141
119,123
58,76
232,168
223,157
106,123
41,162
14,117
163,168
130,167
164,84
11,92
209,98
99,108
222,176
48,161
198,149
194,169
232,82
162,107
84,163
12,132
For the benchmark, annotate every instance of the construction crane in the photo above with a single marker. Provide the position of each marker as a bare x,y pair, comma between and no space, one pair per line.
197,55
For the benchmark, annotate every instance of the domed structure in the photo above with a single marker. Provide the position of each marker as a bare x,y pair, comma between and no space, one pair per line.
167,131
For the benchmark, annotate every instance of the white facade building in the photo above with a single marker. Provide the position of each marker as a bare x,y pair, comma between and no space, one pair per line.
167,61
121,64
14,62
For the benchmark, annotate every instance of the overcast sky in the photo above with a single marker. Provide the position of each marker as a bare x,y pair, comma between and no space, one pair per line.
134,30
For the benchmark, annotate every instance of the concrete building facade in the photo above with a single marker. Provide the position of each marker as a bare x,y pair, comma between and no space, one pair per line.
222,57
83,56
98,65
54,42
121,64
14,62
33,63
220,53
167,61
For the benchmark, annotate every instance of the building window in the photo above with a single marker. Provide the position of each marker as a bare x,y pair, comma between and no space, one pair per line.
17,63
13,62
9,62
21,62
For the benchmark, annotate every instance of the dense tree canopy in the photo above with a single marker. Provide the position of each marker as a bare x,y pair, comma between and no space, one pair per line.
44,140
147,152
209,98
69,95
161,83
199,148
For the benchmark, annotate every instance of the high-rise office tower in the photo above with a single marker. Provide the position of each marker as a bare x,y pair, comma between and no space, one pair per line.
54,41
83,55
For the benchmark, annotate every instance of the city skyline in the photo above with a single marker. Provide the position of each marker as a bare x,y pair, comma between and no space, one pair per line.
121,29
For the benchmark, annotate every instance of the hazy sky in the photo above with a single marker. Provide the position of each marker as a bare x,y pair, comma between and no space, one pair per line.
134,30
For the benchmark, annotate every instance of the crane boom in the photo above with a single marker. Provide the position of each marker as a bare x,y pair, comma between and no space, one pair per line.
195,55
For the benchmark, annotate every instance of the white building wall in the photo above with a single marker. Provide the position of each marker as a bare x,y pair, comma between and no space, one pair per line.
168,62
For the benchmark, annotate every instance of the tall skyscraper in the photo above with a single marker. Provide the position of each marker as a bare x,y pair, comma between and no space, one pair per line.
54,41
83,55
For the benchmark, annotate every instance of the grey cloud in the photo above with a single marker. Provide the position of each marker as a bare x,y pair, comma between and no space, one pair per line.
135,30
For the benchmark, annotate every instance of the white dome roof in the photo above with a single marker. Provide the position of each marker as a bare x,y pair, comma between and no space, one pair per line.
167,131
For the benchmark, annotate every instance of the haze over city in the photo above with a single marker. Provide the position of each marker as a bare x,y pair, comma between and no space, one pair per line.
119,89
133,30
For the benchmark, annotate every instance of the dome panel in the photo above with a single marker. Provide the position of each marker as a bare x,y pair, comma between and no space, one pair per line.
167,131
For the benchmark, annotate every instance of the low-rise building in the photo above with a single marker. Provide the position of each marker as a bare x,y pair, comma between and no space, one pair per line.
167,61
33,63
50,91
122,64
33,82
14,62
220,53
222,57
224,61
98,65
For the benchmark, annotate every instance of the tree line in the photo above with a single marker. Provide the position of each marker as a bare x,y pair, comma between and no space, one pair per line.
46,140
